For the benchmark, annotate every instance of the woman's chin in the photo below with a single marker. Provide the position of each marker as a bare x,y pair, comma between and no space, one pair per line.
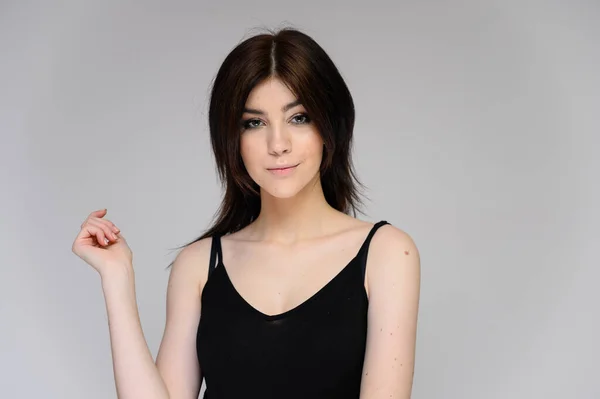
287,188
281,193
282,190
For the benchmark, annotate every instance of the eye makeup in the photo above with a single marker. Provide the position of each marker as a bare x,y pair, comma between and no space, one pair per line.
253,123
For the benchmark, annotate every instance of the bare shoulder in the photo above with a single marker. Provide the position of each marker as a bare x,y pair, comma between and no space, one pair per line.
392,250
393,240
192,262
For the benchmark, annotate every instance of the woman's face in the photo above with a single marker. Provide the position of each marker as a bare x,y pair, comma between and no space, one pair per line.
280,146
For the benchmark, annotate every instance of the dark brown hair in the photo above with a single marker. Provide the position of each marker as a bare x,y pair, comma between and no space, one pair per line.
304,67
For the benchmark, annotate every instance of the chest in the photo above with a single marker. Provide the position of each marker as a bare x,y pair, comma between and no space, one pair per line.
325,336
275,280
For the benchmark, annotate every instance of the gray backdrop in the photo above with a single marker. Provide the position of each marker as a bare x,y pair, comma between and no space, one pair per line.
476,133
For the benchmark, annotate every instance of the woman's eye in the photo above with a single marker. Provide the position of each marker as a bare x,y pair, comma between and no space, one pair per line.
251,123
301,119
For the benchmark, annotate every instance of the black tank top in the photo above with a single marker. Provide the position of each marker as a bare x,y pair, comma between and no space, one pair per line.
315,350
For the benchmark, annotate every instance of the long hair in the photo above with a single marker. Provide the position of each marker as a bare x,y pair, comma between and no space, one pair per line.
304,67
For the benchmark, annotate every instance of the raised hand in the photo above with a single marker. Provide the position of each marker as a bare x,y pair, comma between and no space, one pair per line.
101,245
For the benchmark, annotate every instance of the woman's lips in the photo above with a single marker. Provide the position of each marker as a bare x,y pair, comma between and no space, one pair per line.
283,171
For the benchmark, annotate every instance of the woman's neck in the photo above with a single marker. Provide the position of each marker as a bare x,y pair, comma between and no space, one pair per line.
288,220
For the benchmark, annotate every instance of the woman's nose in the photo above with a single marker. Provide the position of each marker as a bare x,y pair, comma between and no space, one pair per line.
279,142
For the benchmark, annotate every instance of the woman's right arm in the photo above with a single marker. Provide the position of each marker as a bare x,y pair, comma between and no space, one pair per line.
177,358
176,373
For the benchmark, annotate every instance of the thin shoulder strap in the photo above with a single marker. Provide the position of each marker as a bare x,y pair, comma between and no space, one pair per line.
215,253
364,249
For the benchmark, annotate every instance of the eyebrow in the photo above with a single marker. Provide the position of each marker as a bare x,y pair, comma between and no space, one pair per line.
285,108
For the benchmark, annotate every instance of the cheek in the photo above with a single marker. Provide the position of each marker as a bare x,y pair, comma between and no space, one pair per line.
315,148
251,156
248,153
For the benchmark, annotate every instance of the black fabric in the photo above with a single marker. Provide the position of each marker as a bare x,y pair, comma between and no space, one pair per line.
315,350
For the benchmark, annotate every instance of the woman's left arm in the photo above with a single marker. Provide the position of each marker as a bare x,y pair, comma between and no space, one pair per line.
393,283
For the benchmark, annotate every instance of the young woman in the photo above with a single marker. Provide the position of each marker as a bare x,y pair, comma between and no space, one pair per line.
285,295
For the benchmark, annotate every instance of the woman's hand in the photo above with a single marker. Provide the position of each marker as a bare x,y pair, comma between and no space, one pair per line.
100,244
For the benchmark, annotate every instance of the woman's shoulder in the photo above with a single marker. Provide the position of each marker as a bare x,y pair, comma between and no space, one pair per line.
193,260
393,245
386,231
390,236
387,237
